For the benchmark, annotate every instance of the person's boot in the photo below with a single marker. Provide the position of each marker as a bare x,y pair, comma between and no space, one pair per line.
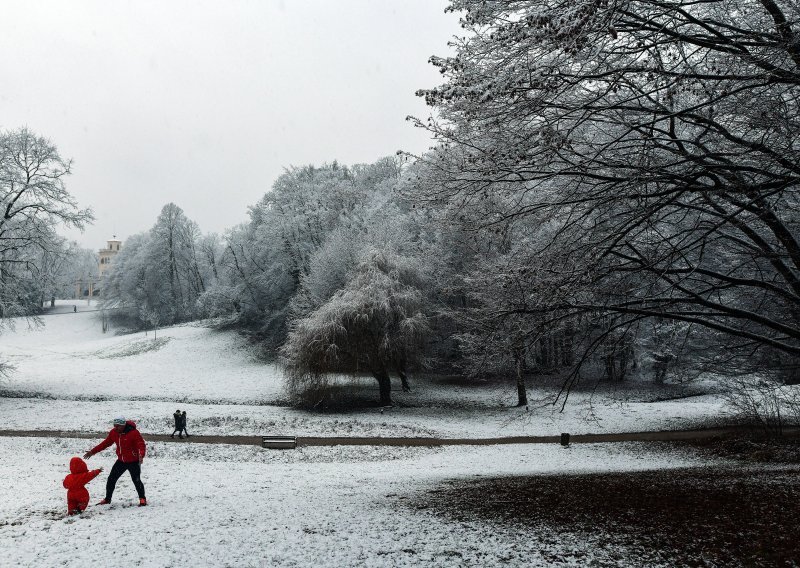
142,502
105,502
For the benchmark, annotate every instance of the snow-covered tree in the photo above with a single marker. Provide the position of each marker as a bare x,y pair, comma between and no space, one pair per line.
61,266
173,252
80,264
164,271
661,136
268,263
34,203
374,324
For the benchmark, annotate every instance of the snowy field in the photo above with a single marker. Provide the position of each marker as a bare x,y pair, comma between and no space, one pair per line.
71,376
218,505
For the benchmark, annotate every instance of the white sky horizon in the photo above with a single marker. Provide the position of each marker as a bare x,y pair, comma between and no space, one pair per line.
205,104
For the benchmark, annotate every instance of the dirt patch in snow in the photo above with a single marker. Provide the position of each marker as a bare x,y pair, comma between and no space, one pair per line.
134,348
711,516
752,449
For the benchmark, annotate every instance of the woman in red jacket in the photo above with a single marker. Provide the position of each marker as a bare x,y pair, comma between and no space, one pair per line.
75,484
130,454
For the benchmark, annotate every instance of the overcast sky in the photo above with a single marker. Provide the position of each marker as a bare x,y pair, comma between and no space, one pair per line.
204,103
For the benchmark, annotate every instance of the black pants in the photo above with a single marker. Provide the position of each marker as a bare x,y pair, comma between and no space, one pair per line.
179,431
119,468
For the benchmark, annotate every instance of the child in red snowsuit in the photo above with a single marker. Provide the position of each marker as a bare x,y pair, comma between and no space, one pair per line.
77,495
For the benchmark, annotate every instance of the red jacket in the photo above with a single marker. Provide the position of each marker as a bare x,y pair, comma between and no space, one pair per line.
75,481
130,444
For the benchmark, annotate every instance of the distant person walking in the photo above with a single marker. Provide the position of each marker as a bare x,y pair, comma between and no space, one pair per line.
130,454
178,424
183,423
74,309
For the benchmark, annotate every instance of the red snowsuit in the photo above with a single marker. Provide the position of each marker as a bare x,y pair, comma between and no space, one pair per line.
77,495
130,444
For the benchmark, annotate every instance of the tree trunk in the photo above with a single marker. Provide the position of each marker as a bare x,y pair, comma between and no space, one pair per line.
522,395
404,380
568,355
544,350
610,368
385,387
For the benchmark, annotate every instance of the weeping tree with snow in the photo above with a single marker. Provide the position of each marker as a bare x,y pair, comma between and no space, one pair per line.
374,324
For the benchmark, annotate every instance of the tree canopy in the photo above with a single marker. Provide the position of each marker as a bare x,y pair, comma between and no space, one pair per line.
659,142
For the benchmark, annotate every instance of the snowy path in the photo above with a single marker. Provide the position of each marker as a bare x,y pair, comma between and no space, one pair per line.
303,441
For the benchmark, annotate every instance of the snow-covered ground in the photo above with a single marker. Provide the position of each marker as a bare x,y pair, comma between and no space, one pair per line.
218,505
234,506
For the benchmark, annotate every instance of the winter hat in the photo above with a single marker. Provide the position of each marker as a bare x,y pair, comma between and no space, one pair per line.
119,420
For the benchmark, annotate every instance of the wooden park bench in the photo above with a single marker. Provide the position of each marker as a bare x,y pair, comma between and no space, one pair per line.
279,442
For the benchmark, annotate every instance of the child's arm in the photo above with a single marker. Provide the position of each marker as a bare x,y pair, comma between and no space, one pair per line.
84,478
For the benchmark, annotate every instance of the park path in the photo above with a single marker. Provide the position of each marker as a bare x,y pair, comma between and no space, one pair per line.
653,436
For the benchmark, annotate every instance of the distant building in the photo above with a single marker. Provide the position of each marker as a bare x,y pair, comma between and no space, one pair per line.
107,254
89,288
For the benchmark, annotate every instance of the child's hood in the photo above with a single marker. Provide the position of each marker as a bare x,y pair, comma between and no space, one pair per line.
77,465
